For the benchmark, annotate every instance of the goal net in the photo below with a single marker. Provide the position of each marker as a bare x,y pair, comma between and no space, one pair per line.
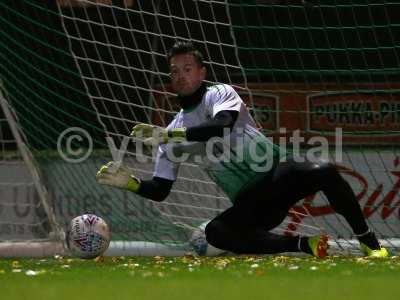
77,74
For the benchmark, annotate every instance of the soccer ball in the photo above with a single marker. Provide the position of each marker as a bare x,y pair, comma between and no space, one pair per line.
88,236
200,245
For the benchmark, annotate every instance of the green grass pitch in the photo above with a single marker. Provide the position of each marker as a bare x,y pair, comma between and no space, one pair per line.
241,277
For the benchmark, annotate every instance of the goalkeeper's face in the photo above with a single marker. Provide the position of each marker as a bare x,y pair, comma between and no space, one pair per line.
186,74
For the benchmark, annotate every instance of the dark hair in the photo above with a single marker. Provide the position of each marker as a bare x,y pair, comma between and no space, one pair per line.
181,47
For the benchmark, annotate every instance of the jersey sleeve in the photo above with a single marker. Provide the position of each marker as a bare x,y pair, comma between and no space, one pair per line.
164,167
224,97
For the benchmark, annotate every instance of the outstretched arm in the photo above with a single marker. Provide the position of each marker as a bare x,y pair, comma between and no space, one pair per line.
112,174
214,127
156,189
200,133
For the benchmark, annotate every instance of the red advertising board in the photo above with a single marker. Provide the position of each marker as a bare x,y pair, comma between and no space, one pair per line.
263,107
366,114
379,200
362,115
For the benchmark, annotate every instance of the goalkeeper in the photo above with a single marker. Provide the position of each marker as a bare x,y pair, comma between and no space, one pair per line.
262,190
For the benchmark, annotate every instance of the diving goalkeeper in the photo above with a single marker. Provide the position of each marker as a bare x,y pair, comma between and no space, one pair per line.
262,190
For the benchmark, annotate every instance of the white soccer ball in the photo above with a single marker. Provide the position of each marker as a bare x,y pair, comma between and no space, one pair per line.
88,236
200,245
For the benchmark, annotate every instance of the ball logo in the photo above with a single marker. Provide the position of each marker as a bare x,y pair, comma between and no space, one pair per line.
82,242
89,242
90,219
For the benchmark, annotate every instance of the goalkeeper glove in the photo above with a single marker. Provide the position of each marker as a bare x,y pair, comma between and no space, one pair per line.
154,135
113,174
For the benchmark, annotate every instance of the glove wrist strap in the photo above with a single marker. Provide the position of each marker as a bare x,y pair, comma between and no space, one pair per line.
177,133
133,184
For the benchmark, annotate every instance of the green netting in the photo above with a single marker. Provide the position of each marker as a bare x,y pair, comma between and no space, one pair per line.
44,87
102,68
336,41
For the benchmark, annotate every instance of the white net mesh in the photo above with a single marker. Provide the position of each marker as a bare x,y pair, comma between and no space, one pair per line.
101,66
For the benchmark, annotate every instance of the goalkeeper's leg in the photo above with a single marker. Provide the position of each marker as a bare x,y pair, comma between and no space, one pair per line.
299,179
239,230
244,228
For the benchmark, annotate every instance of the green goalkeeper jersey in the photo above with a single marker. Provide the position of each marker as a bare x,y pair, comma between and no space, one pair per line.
243,156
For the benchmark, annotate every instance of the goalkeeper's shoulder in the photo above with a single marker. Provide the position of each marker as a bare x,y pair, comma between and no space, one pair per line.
220,93
220,88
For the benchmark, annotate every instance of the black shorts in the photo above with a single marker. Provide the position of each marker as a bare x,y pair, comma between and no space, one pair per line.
266,203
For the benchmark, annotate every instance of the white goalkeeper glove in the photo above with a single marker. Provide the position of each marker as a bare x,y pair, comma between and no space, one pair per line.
116,175
155,135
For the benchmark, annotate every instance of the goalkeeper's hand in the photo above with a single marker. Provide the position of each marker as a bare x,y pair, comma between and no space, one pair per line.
113,174
154,135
